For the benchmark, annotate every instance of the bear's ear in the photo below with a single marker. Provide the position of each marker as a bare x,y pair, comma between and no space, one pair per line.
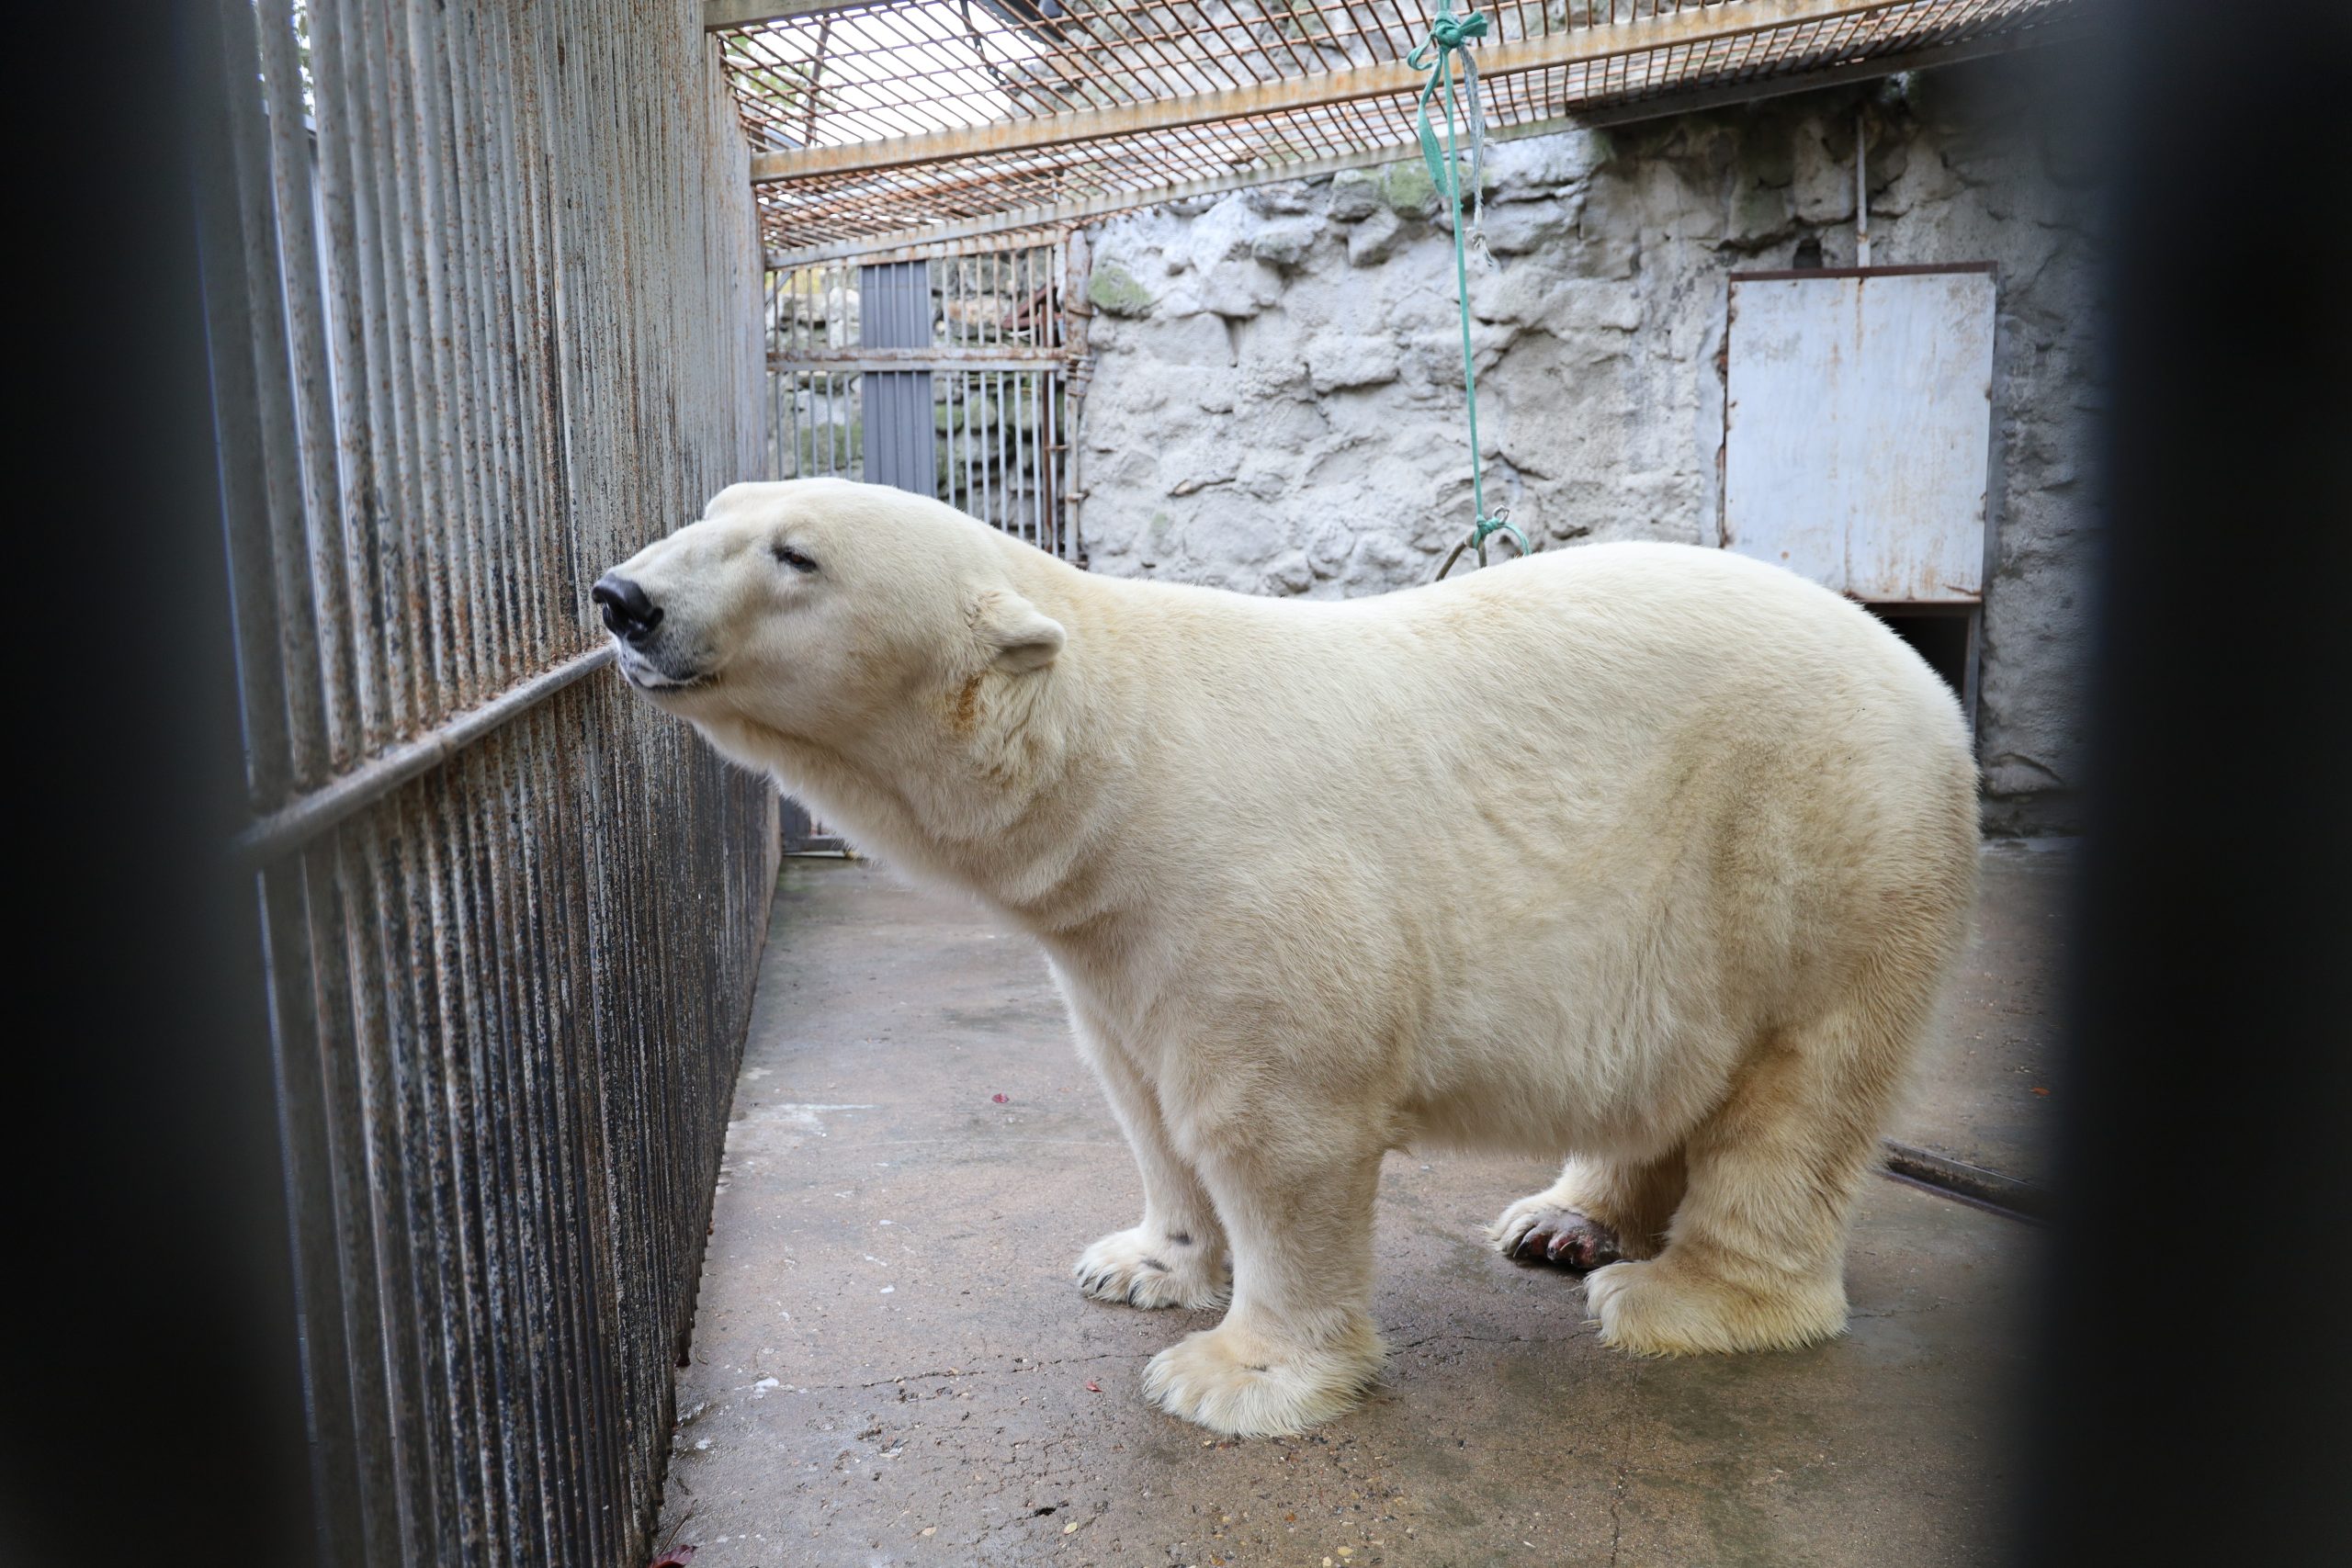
1023,638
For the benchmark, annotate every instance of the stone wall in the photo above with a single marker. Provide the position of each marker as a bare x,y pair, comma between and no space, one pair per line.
1276,404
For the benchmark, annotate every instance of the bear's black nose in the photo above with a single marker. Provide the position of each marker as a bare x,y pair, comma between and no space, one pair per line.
628,612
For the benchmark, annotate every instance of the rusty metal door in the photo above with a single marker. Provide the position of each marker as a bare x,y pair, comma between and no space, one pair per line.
483,297
1857,427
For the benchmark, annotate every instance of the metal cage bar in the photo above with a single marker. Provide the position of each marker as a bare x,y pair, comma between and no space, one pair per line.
493,304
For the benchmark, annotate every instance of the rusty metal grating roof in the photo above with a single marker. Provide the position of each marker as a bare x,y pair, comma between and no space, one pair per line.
889,122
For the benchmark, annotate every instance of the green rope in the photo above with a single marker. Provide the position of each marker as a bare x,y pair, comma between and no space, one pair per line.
1450,37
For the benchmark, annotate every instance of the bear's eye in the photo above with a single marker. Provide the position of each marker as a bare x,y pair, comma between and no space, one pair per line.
794,558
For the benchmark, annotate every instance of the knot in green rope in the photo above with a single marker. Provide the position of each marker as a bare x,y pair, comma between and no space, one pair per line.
1449,40
1450,31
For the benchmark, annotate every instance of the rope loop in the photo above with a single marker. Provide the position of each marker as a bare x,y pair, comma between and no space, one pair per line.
1500,522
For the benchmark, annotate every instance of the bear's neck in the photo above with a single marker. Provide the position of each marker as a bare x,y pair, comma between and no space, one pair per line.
1011,788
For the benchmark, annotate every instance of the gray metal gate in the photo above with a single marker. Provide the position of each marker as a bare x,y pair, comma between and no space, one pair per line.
485,319
949,375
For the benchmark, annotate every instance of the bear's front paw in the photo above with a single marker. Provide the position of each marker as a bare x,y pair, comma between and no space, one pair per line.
1671,1307
1232,1381
1145,1269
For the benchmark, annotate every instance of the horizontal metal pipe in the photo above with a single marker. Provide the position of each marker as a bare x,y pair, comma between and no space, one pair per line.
721,14
904,365
1991,1187
313,814
994,356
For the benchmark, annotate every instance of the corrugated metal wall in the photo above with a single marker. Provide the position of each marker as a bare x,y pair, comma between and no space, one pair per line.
485,320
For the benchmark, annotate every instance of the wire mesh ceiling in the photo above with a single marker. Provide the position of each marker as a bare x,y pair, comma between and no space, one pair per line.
881,119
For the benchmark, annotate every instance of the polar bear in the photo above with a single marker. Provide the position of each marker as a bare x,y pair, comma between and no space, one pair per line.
1648,855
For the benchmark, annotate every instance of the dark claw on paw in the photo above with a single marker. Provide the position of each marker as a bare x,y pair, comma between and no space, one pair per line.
1580,1248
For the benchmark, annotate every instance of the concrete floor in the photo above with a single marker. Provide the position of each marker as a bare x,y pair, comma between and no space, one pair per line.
1990,1086
892,1365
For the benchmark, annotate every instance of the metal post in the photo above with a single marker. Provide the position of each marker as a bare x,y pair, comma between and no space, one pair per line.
1862,190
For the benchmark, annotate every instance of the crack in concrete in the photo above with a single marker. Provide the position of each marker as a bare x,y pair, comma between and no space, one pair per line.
1893,1312
1625,1464
1483,1339
951,1373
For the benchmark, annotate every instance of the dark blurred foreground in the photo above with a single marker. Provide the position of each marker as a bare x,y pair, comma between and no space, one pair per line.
2195,1368
2194,1374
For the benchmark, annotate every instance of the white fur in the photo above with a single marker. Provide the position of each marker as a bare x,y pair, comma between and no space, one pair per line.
1647,854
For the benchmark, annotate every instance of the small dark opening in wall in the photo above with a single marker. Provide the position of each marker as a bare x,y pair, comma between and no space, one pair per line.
1940,634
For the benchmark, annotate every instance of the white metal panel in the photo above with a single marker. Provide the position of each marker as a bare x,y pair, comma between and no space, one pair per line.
1857,429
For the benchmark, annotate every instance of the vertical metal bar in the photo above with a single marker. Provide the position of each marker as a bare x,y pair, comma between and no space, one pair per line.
280,498
554,1328
377,427
427,340
1017,473
1033,426
238,418
1862,190
299,259
1065,256
1003,514
987,416
542,624
394,966
490,396
1057,468
302,1132
347,225
358,854
398,270
444,368
376,1523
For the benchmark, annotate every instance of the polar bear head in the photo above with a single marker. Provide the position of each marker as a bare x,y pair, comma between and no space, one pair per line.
817,616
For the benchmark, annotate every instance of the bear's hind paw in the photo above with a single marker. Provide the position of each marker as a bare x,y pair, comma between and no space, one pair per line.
1535,1230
